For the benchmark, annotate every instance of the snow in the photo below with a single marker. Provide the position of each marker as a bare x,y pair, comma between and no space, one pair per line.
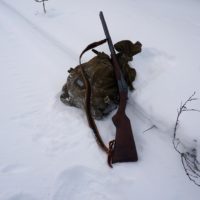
47,151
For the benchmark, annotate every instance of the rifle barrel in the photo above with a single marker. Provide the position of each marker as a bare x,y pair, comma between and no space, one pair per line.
122,85
105,28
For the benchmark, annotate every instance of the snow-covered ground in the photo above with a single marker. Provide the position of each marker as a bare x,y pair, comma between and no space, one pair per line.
47,151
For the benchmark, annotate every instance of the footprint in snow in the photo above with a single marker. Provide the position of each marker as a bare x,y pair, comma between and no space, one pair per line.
80,183
22,196
14,168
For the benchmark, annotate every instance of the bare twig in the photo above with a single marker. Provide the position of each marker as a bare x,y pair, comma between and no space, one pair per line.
42,1
189,158
153,126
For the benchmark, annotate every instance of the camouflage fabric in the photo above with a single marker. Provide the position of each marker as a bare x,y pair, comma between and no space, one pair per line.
126,51
99,71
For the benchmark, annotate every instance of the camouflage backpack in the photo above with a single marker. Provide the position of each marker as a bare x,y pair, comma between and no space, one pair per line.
100,74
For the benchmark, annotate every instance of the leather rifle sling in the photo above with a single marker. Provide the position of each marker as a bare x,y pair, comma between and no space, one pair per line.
90,119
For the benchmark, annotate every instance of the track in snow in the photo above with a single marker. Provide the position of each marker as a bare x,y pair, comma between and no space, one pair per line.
36,30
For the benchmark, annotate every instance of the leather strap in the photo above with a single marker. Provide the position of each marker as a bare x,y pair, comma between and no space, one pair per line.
91,46
90,119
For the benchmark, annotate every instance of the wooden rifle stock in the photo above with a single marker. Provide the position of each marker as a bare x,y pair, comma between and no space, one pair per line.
124,149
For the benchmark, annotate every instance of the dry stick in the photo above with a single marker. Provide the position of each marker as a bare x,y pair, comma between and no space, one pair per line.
39,1
153,126
189,159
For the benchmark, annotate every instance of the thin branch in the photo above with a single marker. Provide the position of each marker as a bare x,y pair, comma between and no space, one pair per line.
189,159
42,1
153,126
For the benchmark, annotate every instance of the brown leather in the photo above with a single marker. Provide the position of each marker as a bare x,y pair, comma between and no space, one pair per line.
91,46
90,119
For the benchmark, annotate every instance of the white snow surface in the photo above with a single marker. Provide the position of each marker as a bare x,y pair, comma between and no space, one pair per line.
47,151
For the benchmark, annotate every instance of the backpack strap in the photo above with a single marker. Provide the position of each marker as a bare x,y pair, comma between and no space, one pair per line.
91,122
91,46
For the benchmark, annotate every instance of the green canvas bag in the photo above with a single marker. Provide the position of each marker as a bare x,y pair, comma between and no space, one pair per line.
100,74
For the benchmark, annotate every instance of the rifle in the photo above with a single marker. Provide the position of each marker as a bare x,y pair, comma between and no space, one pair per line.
123,148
